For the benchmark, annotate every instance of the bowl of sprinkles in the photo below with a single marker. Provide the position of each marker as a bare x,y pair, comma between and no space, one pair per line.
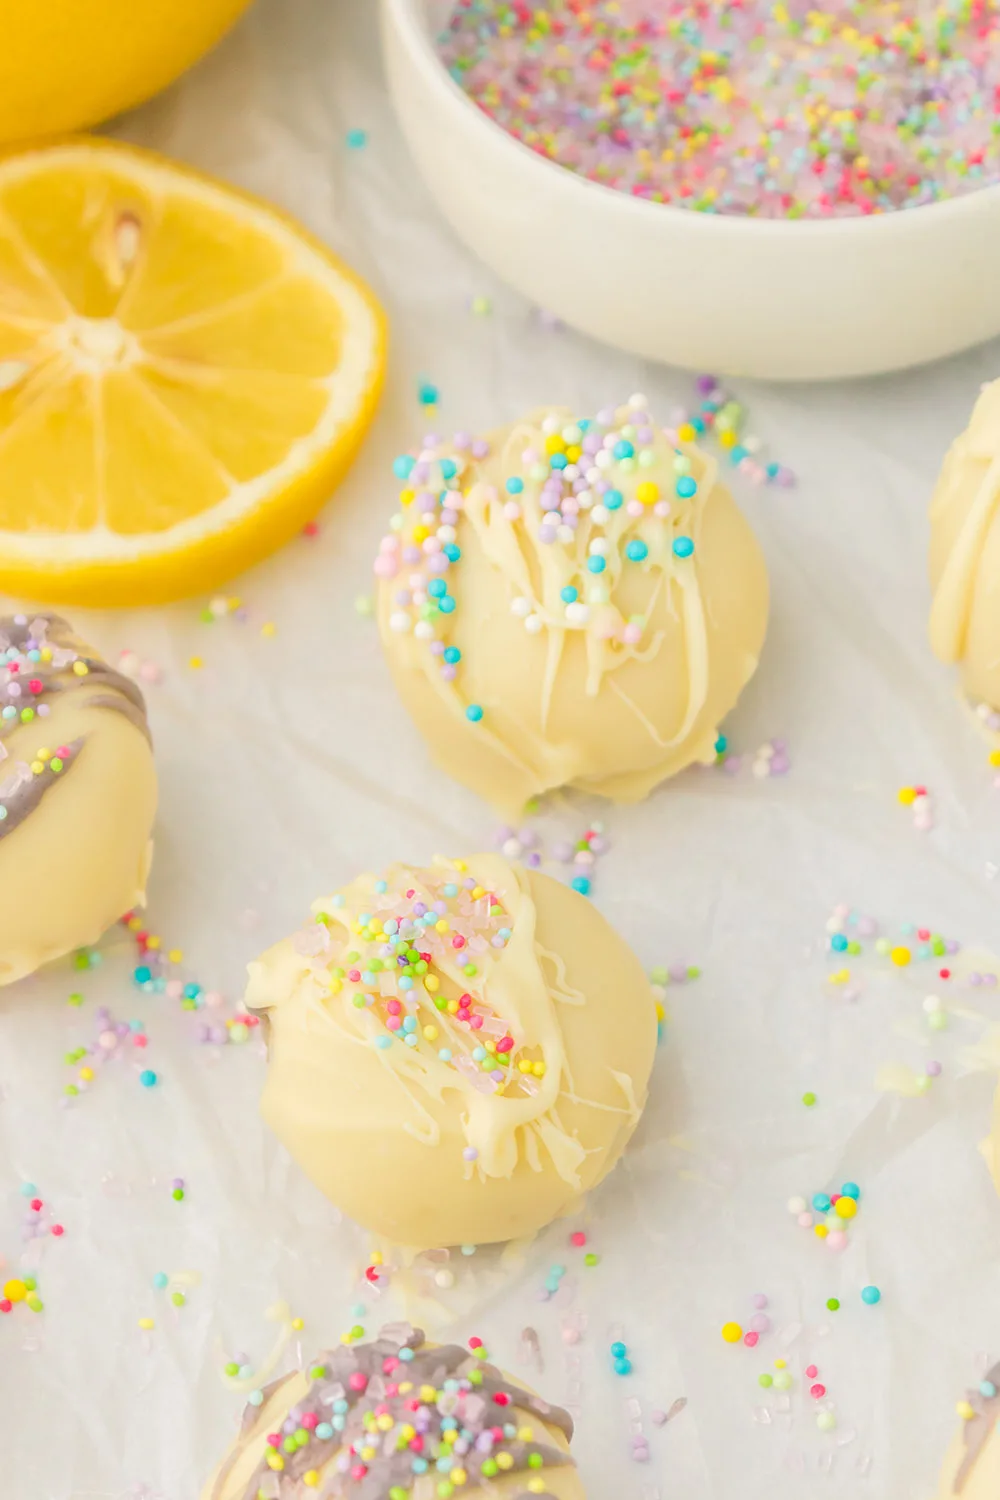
763,187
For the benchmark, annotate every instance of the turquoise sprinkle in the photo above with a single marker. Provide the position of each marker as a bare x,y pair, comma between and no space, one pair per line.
514,486
612,499
596,564
623,449
147,1078
683,546
473,713
403,466
636,551
382,1042
686,487
569,594
427,395
381,886
446,605
357,139
452,655
449,468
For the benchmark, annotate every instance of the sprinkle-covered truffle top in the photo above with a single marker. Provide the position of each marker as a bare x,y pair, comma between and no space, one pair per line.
379,1416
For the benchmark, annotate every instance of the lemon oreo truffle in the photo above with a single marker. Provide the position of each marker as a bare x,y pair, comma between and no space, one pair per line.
77,794
569,602
399,1419
456,1054
965,557
972,1468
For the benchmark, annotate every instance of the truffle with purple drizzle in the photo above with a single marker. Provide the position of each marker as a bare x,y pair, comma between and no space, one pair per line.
77,793
399,1419
972,1468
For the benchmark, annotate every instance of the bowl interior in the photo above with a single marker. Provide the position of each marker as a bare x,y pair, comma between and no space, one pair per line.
433,15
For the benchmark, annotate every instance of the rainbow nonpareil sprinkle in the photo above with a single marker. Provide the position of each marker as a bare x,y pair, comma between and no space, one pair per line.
751,107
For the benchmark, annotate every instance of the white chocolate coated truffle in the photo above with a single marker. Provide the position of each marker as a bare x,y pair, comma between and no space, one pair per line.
77,794
972,1468
965,553
456,1054
569,603
352,1391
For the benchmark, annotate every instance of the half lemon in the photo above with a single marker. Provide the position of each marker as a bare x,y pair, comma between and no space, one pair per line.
185,375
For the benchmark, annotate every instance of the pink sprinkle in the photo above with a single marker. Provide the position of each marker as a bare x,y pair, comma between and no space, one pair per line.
817,1391
578,1238
358,1381
811,1372
751,1340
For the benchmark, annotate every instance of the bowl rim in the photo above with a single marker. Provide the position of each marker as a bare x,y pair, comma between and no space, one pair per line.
902,221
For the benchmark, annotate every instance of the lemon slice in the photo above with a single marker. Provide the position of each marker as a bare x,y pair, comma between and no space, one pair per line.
185,374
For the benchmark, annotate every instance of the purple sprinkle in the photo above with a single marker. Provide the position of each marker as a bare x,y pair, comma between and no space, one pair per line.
934,1070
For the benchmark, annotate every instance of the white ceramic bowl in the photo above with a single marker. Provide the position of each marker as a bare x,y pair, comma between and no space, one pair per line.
781,300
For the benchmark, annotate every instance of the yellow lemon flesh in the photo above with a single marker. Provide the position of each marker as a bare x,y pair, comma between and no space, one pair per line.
69,63
184,376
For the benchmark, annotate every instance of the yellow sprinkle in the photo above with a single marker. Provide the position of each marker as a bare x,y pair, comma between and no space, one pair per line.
175,955
432,982
538,1069
44,754
37,767
195,662
153,942
428,1393
80,668
732,1333
376,1257
995,757
460,864
311,1478
268,629
431,1033
15,1290
86,1075
554,443
647,492
477,891
441,925
727,439
405,1386
385,1423
146,1323
407,497
779,1364
821,1231
420,534
907,795
368,1453
452,1007
457,1476
275,1461
505,1460
536,1486
524,1066
526,1434
965,1411
298,1324
686,433
900,957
